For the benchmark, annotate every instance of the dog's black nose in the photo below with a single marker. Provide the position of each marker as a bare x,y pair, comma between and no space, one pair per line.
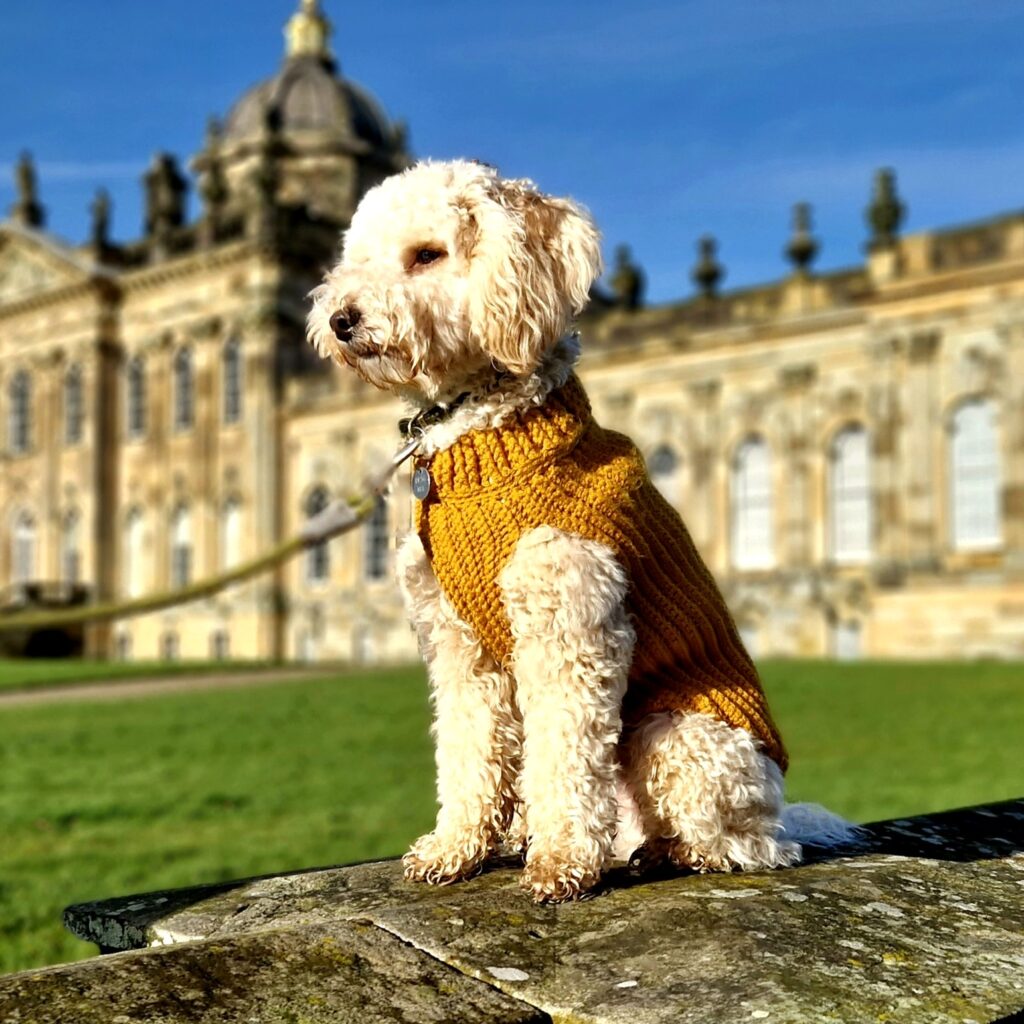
343,322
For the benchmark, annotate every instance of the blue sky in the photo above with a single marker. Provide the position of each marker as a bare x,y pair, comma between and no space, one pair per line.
668,119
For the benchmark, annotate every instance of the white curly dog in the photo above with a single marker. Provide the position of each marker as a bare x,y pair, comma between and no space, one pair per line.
456,291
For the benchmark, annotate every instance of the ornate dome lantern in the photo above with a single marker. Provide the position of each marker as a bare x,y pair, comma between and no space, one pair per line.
333,140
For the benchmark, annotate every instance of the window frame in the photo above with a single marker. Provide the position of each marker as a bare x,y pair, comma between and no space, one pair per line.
967,536
743,508
845,495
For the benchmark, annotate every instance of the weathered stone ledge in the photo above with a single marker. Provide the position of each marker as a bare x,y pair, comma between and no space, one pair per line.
924,922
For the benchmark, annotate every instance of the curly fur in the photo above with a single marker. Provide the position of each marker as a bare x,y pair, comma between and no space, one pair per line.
516,267
533,751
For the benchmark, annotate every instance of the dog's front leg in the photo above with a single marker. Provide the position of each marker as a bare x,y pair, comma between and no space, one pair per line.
572,648
476,731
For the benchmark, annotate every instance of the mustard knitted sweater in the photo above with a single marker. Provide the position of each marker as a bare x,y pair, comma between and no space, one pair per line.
552,465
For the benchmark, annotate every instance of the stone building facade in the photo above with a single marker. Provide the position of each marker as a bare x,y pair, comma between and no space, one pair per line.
847,448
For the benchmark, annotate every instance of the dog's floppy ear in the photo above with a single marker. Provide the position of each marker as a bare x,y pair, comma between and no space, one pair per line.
533,260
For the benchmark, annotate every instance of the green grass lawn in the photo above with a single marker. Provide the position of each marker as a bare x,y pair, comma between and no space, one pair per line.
32,673
109,798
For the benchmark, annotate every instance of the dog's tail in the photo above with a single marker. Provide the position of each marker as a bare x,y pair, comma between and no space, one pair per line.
814,825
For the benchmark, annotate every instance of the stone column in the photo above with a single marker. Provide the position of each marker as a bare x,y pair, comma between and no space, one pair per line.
263,428
101,381
1012,434
796,534
705,520
46,440
923,422
885,431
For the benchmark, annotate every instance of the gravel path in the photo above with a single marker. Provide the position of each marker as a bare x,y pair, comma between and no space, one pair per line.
65,693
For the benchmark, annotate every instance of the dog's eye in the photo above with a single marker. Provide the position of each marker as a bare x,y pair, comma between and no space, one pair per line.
425,256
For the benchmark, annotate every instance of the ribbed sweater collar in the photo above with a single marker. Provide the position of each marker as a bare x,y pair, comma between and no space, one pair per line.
530,437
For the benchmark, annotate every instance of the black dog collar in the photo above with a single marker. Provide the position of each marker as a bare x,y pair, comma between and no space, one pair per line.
415,426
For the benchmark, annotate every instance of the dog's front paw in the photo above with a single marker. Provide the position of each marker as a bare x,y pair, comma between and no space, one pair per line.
443,859
549,879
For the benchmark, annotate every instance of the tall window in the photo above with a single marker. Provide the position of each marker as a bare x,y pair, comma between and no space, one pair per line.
19,427
975,477
318,559
847,642
123,646
70,548
231,534
751,506
664,467
181,547
135,397
23,549
232,397
133,569
375,552
750,637
170,647
850,496
220,645
184,390
73,405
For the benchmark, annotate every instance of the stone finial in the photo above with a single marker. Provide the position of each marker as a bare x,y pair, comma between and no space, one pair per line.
214,133
308,33
99,211
627,280
27,209
165,195
266,173
264,180
802,246
213,184
708,272
885,212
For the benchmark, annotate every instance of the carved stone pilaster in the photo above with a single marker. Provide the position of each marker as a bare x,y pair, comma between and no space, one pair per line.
923,346
798,377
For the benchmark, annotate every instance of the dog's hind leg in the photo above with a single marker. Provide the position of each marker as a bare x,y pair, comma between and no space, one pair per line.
572,647
710,800
476,730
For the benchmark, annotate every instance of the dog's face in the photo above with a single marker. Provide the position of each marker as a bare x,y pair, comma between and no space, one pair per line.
448,269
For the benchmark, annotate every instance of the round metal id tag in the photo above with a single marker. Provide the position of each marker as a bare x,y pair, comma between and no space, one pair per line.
421,482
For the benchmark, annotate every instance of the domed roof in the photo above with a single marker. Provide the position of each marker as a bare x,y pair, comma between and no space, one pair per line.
307,95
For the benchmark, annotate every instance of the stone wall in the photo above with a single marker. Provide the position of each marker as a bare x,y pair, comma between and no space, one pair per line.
921,923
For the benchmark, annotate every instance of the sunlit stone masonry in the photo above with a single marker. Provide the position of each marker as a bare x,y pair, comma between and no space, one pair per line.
847,448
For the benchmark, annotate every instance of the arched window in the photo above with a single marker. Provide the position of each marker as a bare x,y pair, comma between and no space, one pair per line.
753,545
123,646
664,466
184,390
181,547
750,638
133,571
318,559
19,427
975,477
850,496
70,548
135,398
170,646
231,534
375,551
232,396
847,641
23,549
73,405
220,645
